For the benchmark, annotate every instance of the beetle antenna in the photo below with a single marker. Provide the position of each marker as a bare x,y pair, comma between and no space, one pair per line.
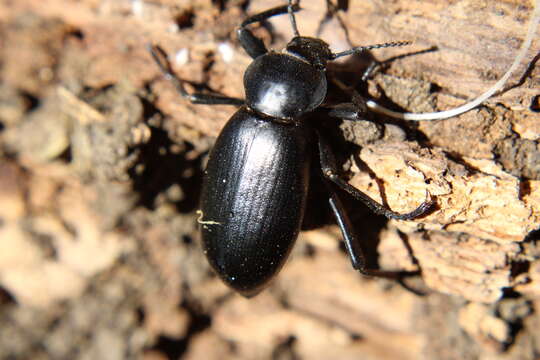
360,49
291,9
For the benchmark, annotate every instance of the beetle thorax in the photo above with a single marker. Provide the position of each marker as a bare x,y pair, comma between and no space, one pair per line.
284,85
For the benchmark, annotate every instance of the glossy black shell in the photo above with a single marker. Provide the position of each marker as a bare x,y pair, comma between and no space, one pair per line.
253,198
281,85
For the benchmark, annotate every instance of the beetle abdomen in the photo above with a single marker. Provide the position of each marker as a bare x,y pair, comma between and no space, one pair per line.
253,199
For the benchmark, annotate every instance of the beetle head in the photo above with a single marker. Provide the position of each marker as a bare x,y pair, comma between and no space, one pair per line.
315,51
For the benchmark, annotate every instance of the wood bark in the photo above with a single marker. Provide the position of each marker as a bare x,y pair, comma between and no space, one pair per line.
101,163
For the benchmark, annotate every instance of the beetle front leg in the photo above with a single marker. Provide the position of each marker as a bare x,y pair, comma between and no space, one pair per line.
253,45
160,57
329,169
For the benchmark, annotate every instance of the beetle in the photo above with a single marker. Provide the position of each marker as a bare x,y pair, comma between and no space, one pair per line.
256,181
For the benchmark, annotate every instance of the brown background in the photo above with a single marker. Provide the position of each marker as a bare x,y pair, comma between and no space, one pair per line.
101,165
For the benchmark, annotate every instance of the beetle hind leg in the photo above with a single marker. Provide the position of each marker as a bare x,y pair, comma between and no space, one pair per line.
329,169
354,250
352,245
351,241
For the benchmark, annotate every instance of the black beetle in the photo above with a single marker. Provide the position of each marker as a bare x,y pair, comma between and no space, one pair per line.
254,191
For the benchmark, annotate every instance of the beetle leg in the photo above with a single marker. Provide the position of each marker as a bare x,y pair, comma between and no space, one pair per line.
352,243
160,57
347,111
252,44
372,68
329,169
349,237
332,11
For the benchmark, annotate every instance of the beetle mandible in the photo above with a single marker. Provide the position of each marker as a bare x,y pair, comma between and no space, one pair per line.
256,181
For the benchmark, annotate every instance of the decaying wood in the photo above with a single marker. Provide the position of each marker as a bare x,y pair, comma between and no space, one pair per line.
101,162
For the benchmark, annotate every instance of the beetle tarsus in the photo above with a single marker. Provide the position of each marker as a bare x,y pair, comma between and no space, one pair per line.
160,58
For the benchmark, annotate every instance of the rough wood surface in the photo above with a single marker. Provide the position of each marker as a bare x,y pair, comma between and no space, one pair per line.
101,164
